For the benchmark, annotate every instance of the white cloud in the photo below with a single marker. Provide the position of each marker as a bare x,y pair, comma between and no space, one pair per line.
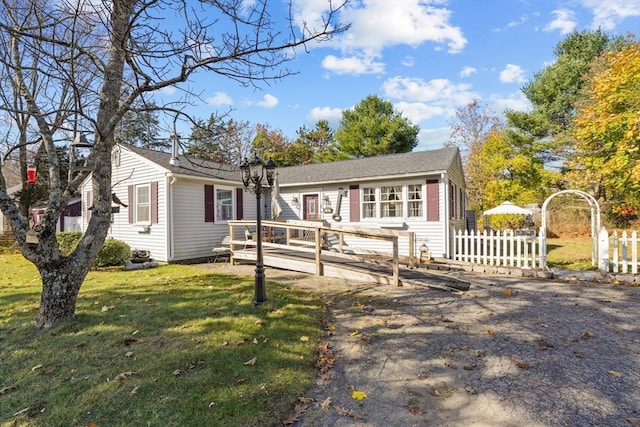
268,101
429,139
467,71
441,91
408,61
332,115
607,14
376,25
359,64
515,101
219,98
418,111
512,74
564,21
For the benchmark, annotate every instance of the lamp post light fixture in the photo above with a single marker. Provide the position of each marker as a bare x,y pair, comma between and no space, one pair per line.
253,179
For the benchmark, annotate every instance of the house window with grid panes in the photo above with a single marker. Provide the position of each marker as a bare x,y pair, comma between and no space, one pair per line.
143,204
224,204
414,196
368,202
391,201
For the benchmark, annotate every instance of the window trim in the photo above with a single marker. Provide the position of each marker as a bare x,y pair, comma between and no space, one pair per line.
232,203
136,220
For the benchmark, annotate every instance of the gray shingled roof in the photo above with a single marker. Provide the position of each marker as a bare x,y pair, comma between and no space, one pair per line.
404,164
191,166
393,165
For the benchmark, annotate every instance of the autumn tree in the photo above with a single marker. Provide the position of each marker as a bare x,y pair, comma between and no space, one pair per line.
607,128
372,128
314,143
95,60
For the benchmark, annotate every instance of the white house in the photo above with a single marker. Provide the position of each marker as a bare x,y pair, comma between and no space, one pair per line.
422,192
180,212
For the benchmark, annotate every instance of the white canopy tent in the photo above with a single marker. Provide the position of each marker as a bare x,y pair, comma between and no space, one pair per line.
507,208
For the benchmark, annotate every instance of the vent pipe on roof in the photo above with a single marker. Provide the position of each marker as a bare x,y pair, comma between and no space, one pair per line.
174,161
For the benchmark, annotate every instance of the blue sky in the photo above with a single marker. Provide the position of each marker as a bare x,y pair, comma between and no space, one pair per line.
427,57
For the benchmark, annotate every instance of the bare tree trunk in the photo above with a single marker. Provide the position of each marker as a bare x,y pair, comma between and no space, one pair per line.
61,283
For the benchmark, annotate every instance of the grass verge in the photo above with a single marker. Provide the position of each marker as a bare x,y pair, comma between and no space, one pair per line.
171,346
570,254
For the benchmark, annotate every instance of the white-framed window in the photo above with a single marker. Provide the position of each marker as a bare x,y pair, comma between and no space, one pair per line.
368,202
414,196
224,204
143,203
391,201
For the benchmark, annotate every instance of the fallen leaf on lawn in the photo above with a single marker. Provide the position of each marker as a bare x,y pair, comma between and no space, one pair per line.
255,340
415,410
347,413
177,372
588,335
243,341
293,419
615,373
48,368
325,404
92,425
331,328
250,362
259,322
354,333
358,395
35,368
128,354
134,391
490,331
225,343
304,339
506,292
123,375
437,392
129,341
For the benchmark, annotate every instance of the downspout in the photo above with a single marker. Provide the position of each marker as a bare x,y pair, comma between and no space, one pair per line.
447,230
170,246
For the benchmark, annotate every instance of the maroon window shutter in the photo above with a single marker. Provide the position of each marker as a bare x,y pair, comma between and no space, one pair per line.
89,204
239,203
132,206
154,202
354,203
208,203
433,200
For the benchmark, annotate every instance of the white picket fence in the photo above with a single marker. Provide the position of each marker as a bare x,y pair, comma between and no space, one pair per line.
621,252
504,249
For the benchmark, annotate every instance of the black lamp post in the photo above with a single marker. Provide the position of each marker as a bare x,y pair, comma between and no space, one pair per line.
253,177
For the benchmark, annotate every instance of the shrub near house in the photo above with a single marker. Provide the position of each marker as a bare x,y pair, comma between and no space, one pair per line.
114,252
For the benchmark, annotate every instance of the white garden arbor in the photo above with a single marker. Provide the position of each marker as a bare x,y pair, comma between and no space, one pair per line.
595,225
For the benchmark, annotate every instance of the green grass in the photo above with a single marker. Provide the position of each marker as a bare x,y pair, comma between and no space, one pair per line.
160,347
570,254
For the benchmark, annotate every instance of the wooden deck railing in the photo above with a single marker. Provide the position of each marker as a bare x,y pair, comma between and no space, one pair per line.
318,238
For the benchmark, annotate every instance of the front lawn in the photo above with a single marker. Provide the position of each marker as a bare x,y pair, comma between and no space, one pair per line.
170,346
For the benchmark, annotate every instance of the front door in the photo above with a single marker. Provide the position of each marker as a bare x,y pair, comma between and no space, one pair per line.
311,207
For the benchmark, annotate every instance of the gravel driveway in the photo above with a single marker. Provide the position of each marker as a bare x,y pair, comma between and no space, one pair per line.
508,352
